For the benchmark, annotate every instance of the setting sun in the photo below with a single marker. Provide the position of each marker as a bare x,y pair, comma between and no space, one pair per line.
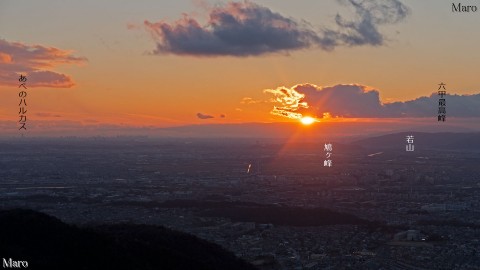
307,120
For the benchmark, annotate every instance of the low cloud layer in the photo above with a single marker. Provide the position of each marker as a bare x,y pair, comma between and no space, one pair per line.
37,62
46,114
359,101
248,29
208,116
204,116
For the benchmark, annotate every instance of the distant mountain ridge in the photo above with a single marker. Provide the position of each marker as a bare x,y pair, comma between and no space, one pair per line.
317,130
443,140
337,128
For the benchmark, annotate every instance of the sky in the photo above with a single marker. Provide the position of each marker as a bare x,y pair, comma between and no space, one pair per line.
174,63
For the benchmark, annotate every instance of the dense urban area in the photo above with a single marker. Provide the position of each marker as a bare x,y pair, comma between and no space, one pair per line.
272,203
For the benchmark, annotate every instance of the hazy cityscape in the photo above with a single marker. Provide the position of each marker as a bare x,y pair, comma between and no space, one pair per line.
272,203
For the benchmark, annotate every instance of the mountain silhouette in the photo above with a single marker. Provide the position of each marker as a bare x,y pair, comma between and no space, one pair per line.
48,243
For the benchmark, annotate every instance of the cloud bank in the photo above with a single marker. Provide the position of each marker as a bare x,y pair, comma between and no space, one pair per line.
36,62
358,101
247,29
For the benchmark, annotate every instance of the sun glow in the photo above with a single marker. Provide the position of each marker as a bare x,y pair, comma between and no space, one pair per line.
307,120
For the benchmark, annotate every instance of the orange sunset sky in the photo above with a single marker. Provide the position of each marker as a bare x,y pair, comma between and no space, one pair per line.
173,63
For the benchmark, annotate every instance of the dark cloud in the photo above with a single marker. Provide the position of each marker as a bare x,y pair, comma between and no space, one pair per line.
363,30
360,101
236,29
342,100
36,62
204,116
222,116
456,106
247,29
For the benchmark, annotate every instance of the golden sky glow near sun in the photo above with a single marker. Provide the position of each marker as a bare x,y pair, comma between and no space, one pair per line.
307,120
142,63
